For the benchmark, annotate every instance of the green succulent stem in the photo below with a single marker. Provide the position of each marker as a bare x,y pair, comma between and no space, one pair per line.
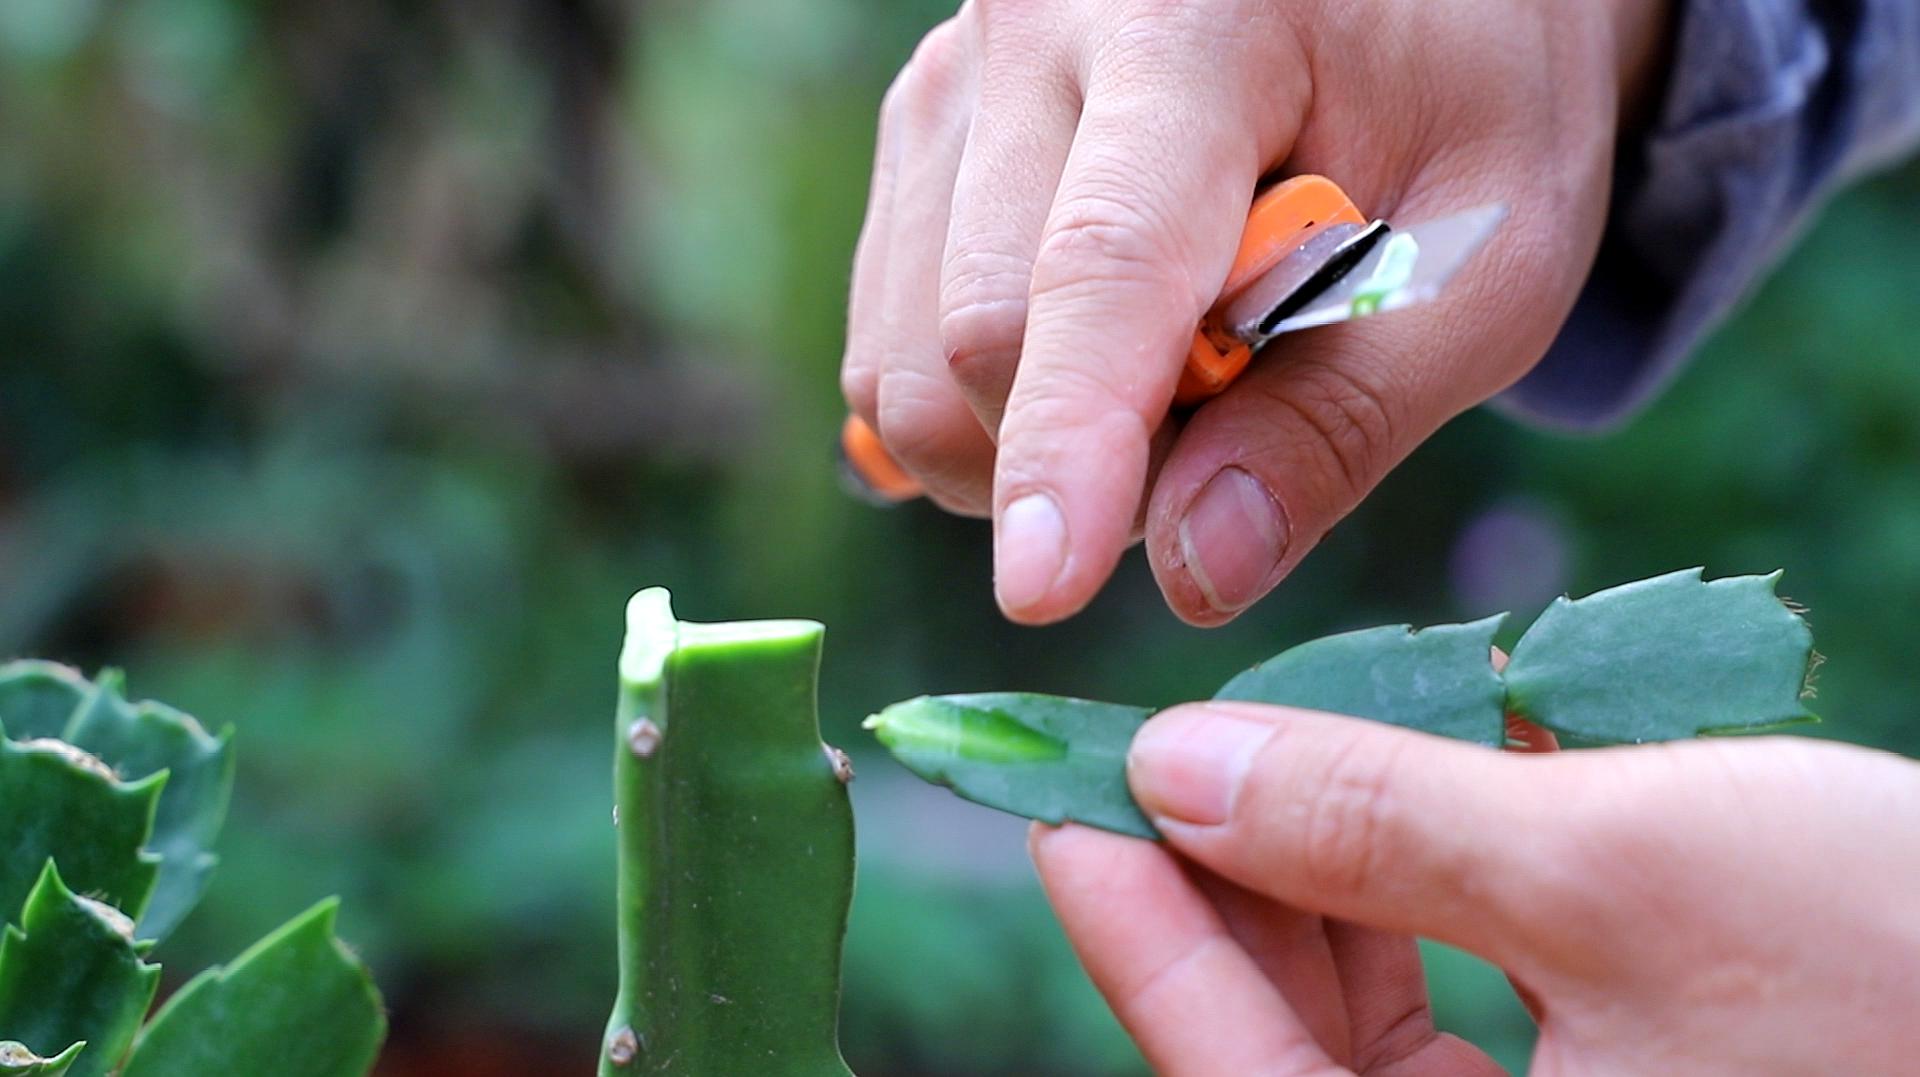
736,851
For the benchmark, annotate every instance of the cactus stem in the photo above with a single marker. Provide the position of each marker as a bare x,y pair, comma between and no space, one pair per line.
733,825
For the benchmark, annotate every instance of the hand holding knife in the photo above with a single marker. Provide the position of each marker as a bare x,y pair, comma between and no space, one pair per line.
1308,257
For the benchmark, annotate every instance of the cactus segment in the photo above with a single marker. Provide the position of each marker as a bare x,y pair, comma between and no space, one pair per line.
1661,659
1048,758
70,974
1059,760
1439,679
17,1061
59,801
735,852
1665,658
297,1003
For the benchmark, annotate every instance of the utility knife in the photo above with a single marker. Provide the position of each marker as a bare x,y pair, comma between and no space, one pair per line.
1308,257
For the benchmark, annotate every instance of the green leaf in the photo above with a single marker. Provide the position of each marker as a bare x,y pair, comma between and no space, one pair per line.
1665,658
46,700
38,698
59,802
296,1004
17,1061
72,973
1437,679
1044,757
137,740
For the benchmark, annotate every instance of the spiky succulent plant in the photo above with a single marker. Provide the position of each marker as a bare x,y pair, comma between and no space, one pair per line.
108,813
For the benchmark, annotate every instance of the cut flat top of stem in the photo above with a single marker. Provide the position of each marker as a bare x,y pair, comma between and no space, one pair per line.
653,634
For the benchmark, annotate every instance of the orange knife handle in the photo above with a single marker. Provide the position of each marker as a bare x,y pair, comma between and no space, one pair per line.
871,466
1283,217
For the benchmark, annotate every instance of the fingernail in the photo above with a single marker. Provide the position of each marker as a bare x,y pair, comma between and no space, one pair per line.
1232,538
1187,765
1030,548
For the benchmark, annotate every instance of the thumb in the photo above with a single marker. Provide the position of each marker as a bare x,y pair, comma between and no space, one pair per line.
1261,473
1374,824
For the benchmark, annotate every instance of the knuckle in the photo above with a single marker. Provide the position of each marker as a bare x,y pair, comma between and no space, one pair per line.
1101,236
971,499
992,13
983,313
911,416
1353,419
939,53
1045,436
1408,1032
860,385
1017,27
927,81
1172,975
1077,396
1160,26
934,436
982,339
1350,813
923,425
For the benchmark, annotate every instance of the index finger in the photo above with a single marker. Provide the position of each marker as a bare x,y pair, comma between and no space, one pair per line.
1140,237
1185,989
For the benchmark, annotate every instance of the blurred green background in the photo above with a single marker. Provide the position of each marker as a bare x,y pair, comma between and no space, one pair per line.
358,359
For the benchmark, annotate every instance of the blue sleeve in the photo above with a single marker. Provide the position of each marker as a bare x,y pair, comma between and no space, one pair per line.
1770,106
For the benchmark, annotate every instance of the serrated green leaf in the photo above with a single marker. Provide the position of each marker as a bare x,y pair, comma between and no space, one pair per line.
137,740
1664,658
296,1004
16,1060
60,803
71,973
39,698
1439,679
1043,757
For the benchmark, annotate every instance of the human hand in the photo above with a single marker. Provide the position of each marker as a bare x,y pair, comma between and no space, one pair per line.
1716,906
1058,192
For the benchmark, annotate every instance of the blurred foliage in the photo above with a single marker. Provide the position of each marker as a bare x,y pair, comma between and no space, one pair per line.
358,359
